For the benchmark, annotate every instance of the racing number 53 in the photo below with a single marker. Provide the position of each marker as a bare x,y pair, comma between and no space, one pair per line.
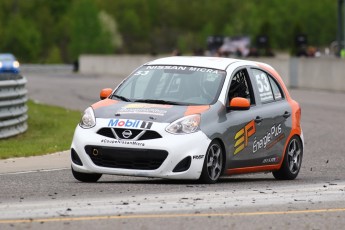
263,84
142,73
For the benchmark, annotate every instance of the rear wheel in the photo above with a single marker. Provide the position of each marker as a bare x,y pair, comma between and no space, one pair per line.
292,161
86,177
213,163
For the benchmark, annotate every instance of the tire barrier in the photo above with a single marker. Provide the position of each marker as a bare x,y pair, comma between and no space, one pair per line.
13,109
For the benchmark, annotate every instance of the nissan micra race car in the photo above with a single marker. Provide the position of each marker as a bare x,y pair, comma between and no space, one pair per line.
192,118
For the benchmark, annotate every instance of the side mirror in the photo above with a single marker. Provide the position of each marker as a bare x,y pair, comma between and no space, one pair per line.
239,103
105,93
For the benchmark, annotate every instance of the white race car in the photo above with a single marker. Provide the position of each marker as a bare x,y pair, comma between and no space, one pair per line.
191,118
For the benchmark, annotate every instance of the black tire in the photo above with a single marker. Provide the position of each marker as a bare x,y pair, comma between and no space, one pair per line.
213,163
292,161
86,177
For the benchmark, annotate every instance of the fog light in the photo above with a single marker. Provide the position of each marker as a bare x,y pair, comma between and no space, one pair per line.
95,152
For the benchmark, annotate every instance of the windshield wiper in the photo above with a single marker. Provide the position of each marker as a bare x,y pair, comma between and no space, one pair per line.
156,101
120,97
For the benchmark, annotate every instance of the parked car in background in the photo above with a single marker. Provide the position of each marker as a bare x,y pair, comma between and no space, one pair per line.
8,63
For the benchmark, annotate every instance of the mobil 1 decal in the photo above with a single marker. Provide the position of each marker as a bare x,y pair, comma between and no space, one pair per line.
126,123
272,136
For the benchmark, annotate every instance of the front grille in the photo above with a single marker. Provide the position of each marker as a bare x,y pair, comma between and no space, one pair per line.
149,134
106,132
134,133
126,158
137,134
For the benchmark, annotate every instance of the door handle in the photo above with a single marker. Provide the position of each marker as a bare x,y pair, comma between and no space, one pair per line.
286,114
258,119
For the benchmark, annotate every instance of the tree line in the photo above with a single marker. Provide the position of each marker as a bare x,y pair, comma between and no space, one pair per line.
44,31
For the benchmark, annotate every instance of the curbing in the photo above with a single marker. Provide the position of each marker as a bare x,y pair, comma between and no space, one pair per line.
36,163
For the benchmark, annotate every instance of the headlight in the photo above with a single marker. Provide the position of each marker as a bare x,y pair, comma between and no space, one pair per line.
0,64
185,125
15,64
88,120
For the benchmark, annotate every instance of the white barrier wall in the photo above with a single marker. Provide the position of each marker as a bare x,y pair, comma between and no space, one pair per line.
120,65
46,68
327,73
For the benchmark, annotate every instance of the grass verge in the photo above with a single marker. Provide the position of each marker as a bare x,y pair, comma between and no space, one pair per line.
50,129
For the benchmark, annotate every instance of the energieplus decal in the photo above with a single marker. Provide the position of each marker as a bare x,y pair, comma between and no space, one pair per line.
243,135
272,137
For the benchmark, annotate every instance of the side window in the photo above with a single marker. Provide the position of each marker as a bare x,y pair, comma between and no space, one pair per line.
240,86
268,88
277,93
263,86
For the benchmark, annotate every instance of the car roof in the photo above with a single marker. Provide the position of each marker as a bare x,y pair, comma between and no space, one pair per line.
220,63
205,62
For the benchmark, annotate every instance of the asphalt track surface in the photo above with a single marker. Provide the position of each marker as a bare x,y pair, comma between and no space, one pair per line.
53,199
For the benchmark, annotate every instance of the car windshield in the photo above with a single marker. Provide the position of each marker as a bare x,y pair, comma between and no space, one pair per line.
6,57
179,85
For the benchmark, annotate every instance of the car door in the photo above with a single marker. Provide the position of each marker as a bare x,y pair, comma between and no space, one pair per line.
274,111
243,126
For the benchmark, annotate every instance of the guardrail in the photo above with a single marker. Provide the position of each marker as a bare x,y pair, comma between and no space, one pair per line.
13,109
46,68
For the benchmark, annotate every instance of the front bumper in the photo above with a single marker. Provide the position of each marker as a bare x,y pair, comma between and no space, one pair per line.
177,147
9,70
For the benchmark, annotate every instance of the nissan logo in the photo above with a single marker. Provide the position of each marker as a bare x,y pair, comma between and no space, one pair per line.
127,133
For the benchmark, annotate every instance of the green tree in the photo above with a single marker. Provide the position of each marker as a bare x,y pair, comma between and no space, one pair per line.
22,39
43,31
86,34
54,55
109,29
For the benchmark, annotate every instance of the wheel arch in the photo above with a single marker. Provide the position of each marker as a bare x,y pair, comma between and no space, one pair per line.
286,146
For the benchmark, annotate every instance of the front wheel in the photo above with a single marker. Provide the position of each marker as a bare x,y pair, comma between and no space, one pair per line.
292,161
213,163
86,177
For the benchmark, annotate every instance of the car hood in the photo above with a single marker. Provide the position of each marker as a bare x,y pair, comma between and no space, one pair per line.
144,111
